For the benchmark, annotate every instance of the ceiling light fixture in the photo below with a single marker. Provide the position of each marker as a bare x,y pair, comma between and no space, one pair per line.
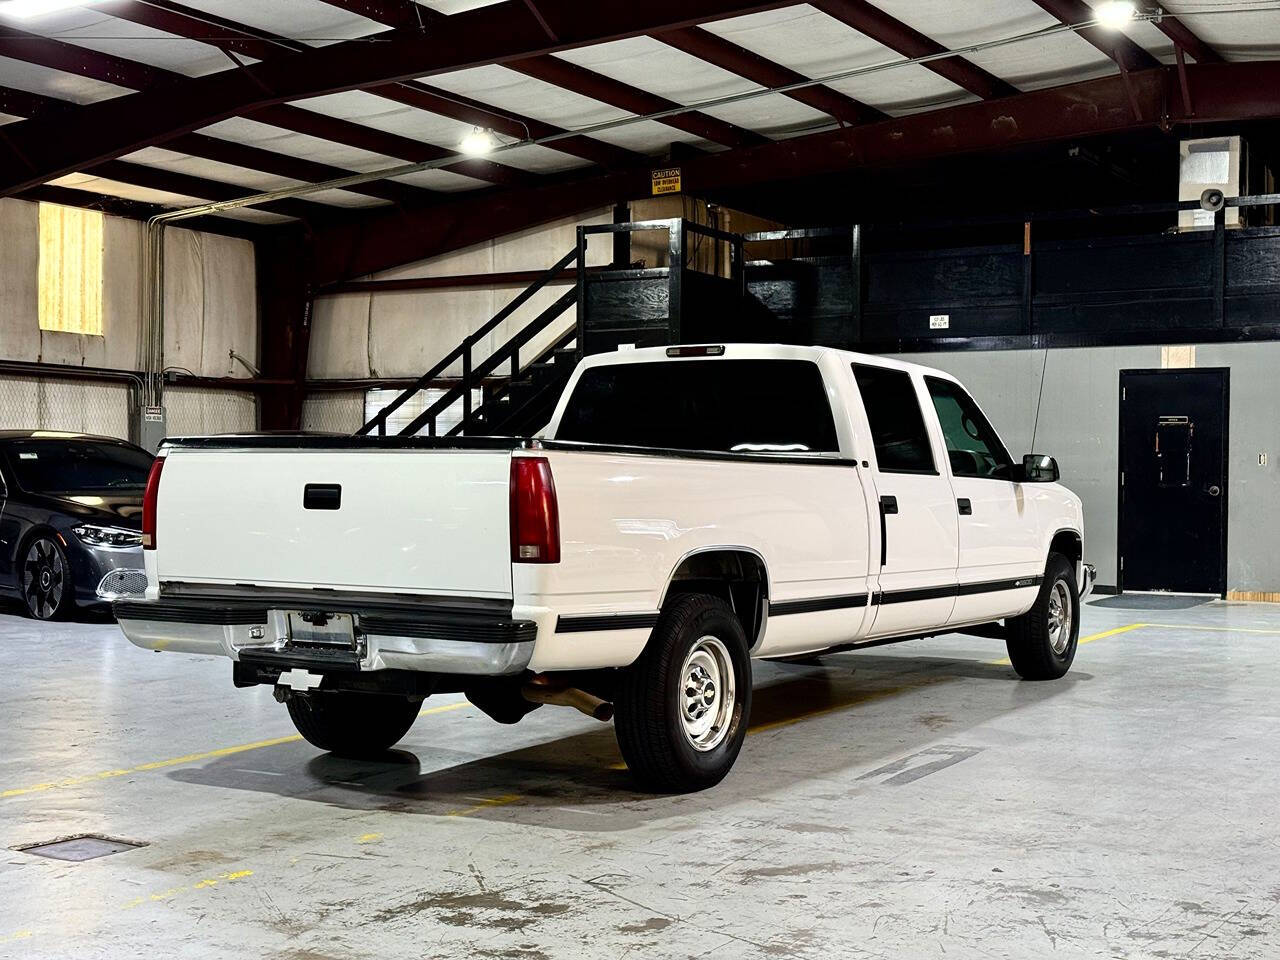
30,9
1115,14
477,143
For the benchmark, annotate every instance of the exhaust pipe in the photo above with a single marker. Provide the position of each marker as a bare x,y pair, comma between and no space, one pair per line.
540,691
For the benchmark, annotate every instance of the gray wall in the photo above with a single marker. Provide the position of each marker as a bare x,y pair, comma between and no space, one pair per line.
1079,424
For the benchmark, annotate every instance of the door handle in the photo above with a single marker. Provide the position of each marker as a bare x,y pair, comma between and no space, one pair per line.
888,505
964,506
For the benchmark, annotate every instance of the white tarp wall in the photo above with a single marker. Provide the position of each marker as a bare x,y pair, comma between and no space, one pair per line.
402,334
210,309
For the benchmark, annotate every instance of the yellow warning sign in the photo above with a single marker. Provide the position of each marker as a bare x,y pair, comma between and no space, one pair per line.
666,180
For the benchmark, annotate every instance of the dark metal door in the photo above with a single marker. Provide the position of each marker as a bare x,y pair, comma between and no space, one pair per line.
1173,480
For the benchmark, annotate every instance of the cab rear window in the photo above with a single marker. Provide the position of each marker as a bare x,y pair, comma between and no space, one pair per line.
740,406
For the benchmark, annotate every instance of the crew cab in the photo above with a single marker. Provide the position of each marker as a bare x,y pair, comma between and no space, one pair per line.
686,510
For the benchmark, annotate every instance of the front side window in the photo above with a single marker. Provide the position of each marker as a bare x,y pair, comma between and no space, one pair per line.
738,406
897,426
73,466
973,446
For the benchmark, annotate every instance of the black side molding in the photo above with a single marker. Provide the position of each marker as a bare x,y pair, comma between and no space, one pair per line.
605,621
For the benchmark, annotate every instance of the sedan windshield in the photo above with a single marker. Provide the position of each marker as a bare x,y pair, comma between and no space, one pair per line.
74,466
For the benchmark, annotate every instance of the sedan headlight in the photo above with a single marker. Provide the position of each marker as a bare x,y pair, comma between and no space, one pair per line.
96,536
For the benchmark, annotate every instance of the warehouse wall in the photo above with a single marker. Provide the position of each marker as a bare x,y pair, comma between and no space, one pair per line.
401,334
210,308
210,298
1079,424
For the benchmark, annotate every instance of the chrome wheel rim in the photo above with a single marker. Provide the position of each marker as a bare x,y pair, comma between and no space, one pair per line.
1060,617
43,578
707,694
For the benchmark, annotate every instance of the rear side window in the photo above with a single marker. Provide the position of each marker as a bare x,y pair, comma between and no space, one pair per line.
897,426
742,406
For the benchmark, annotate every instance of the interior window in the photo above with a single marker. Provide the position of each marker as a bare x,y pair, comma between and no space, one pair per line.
897,427
1173,451
973,446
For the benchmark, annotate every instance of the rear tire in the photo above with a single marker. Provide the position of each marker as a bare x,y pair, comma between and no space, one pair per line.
356,725
1042,642
682,708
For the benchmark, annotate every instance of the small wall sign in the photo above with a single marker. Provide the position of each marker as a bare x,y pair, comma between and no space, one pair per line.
665,180
940,321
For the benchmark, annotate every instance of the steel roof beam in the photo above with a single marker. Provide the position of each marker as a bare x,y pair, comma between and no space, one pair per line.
41,149
399,14
588,83
1114,43
726,55
896,35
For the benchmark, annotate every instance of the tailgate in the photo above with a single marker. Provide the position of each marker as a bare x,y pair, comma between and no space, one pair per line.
431,521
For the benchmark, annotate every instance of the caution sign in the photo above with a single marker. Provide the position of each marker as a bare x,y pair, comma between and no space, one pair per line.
666,180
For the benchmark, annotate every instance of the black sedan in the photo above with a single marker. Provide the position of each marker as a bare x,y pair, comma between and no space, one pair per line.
70,513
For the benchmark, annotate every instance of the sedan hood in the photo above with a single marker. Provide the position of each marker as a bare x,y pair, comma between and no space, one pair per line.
114,509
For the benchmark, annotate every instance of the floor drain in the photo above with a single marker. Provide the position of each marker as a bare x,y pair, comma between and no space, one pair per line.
85,846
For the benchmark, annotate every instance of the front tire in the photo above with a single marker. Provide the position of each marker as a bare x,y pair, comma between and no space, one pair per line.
1042,642
682,708
355,725
44,579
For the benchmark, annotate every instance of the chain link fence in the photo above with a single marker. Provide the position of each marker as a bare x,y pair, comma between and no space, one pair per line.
333,411
195,412
71,405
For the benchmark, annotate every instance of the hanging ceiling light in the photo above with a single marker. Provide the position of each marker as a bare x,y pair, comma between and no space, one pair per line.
30,9
1115,14
477,143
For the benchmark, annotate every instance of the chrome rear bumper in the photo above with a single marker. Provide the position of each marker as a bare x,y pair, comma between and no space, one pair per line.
427,638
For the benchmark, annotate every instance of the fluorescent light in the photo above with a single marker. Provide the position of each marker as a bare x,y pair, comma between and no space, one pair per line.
477,143
1115,14
30,9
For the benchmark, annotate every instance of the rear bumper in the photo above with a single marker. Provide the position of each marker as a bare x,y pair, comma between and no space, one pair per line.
450,637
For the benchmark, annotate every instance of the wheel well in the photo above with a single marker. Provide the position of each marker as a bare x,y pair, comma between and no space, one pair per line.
736,576
1068,543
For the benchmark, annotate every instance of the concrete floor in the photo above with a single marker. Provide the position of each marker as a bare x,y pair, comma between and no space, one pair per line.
909,801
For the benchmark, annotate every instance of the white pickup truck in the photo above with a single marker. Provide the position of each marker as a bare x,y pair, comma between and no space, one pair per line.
688,509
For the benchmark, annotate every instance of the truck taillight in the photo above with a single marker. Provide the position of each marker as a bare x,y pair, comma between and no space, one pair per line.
149,504
535,517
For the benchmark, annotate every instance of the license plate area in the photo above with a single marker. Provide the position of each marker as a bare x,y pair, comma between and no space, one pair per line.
315,629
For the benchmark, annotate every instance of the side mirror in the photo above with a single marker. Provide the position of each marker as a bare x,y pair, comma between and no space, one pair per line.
1039,468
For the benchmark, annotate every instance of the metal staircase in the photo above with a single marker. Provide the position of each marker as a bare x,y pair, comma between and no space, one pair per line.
516,405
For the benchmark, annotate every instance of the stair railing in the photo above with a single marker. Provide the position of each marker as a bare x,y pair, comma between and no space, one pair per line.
472,371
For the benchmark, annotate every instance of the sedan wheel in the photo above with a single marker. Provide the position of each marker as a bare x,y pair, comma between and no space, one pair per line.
46,589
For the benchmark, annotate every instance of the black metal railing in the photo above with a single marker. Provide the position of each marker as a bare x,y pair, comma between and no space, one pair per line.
474,373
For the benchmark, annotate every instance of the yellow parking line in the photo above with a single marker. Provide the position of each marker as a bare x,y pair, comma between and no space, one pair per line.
1192,626
181,761
485,803
1089,639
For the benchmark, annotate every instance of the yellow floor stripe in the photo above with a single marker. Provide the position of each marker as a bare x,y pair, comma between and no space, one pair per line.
1190,626
1089,639
182,761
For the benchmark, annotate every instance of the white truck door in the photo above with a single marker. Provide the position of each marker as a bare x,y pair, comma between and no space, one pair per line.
1000,551
918,552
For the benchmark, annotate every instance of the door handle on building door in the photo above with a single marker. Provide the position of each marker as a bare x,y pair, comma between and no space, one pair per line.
965,507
